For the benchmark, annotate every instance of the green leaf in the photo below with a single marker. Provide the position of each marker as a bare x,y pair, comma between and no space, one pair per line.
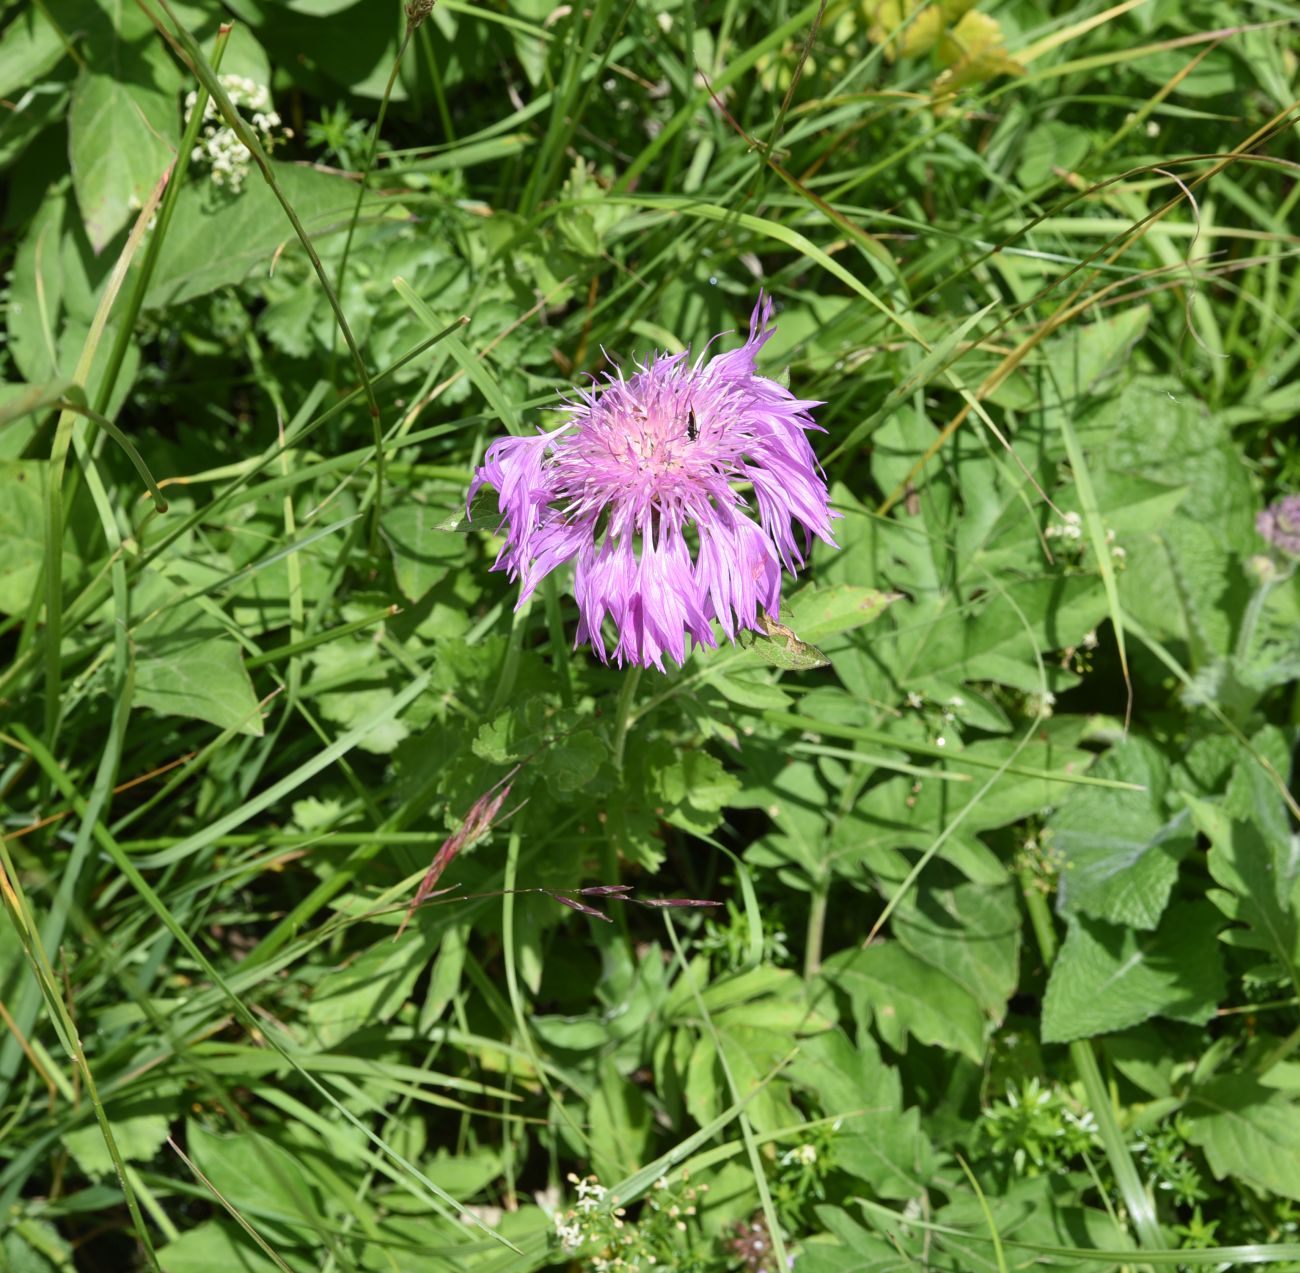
779,646
34,1246
1249,1132
878,1141
123,129
817,613
995,638
259,1177
216,240
352,680
372,987
1107,978
971,932
215,1244
1090,352
36,295
22,535
905,996
691,787
1182,576
1259,886
186,664
423,552
138,1136
569,764
619,1124
29,48
1121,849
484,514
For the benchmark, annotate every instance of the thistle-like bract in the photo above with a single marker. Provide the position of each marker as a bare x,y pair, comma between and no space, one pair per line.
639,489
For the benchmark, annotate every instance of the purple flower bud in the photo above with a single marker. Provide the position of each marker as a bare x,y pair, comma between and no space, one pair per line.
638,489
1279,523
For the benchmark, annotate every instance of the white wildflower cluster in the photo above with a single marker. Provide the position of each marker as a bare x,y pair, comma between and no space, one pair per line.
804,1155
597,1224
569,1225
1040,704
1070,531
948,715
1070,527
217,145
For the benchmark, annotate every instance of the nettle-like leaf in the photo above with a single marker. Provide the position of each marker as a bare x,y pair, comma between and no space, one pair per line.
1259,878
1108,978
970,932
1183,574
902,994
1121,848
1248,1131
187,663
878,1141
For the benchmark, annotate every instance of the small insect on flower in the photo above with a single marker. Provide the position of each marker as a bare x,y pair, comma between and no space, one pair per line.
662,542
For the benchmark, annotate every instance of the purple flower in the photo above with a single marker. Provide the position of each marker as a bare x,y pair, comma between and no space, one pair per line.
638,489
1279,523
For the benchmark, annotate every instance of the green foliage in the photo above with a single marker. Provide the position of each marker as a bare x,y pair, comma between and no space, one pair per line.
355,920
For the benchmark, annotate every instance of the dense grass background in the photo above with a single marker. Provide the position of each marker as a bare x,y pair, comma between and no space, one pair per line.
1005,963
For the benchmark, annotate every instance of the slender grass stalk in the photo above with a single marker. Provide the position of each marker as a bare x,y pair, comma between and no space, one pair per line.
24,924
54,494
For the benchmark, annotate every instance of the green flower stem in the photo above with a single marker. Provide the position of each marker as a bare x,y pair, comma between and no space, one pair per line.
626,697
616,819
812,956
1137,1199
559,643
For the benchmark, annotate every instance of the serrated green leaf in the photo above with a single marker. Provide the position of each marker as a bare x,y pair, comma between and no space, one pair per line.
186,664
969,931
138,1136
904,995
1107,978
423,553
1248,1132
1261,887
878,1142
1121,849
